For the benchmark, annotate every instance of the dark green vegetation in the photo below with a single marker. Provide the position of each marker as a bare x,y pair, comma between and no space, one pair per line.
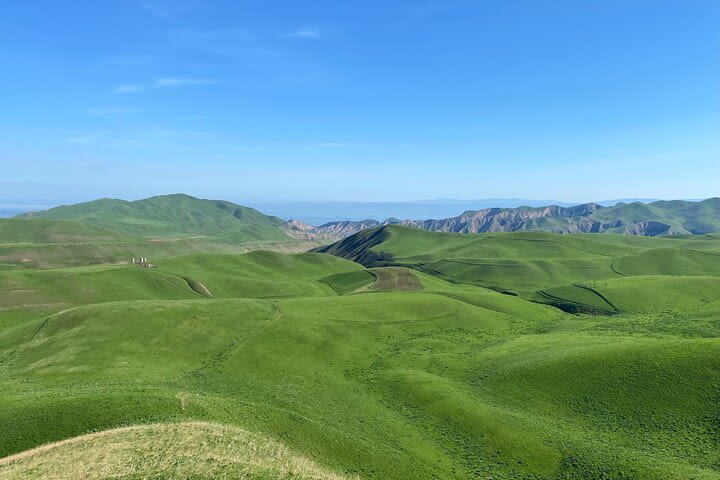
441,356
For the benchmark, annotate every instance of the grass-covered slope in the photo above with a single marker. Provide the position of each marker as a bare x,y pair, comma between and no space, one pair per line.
84,253
258,274
38,243
175,450
391,372
84,285
261,274
452,382
15,230
173,216
530,261
349,282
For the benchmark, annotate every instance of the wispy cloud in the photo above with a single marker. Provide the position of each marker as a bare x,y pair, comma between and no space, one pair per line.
97,112
194,117
187,37
232,42
430,8
159,10
162,82
171,132
179,82
306,33
84,139
128,88
128,60
333,145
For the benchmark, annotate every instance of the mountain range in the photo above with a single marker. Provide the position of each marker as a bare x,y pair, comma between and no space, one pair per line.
651,219
181,215
321,212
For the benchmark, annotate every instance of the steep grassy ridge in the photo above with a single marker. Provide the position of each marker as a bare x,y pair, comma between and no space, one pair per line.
527,262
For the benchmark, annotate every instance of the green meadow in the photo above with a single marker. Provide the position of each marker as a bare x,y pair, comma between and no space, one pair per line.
393,354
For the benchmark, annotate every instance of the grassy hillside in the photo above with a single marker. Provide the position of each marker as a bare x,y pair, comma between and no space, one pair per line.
173,216
15,230
524,263
653,294
350,282
261,274
190,450
37,243
268,364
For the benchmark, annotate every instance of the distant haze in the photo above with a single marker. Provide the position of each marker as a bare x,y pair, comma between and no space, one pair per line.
317,213
10,210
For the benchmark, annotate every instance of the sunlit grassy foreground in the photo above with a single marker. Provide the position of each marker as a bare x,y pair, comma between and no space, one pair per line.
453,363
178,450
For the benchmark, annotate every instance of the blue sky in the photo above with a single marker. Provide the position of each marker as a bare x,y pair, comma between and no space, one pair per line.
359,100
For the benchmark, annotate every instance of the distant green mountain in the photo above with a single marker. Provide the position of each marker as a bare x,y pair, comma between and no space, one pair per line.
176,215
662,217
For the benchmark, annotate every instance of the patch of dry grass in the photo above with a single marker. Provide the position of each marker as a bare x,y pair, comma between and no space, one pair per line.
175,450
394,278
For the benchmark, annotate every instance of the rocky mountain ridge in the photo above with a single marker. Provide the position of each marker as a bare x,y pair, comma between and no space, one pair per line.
653,219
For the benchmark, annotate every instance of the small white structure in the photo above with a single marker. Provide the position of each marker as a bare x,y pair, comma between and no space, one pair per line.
142,262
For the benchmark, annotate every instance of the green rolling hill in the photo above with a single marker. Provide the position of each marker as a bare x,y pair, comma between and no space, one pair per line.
528,262
173,216
113,231
218,451
418,355
71,244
